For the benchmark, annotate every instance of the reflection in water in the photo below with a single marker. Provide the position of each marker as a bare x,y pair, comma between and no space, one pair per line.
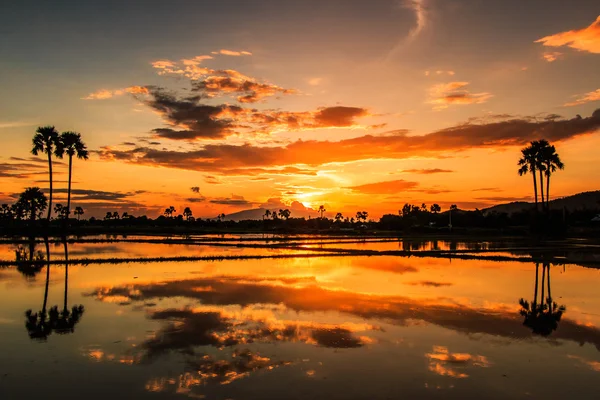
542,318
41,324
29,262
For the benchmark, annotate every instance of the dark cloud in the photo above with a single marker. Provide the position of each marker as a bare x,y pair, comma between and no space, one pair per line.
200,199
429,283
189,118
231,201
195,189
393,145
97,195
504,198
488,189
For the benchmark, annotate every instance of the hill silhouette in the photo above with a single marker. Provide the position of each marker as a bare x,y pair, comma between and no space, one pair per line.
579,201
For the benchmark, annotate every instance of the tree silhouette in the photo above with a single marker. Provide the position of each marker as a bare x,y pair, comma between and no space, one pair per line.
108,216
528,164
338,217
187,213
71,144
169,211
285,214
115,215
542,318
45,140
362,216
453,207
78,212
435,208
31,203
322,210
267,214
552,163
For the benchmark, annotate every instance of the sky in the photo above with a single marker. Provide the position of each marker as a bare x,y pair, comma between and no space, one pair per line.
222,106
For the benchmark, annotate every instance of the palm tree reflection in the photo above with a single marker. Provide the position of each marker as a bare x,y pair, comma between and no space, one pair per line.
41,324
542,318
29,262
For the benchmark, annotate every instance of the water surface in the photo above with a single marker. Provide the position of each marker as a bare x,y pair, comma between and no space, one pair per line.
351,327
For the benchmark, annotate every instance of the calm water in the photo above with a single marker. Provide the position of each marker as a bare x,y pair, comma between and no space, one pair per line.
378,327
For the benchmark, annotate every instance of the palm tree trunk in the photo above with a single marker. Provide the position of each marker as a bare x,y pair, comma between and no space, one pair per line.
66,275
542,189
548,279
535,191
69,188
548,190
50,177
537,270
47,276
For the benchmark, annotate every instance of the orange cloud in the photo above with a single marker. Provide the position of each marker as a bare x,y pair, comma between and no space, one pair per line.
394,145
585,98
444,94
444,363
551,56
426,171
232,53
103,94
388,187
586,39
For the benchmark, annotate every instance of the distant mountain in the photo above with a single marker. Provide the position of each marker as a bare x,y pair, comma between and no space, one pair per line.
258,213
589,200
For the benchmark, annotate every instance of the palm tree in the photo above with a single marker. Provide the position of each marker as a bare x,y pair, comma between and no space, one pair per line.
187,213
285,214
322,210
552,163
267,214
59,210
32,203
540,147
528,164
78,212
453,207
435,208
169,211
338,217
71,143
46,140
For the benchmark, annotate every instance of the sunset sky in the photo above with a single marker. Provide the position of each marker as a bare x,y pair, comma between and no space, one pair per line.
356,105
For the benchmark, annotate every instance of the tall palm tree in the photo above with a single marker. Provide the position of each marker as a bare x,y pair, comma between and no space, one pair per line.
71,144
540,147
78,212
45,140
322,210
552,163
528,164
32,202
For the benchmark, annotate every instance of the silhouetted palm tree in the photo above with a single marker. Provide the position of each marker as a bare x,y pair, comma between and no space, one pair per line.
552,163
435,208
32,203
45,140
322,210
71,144
540,147
528,164
78,212
187,213
267,214
338,217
